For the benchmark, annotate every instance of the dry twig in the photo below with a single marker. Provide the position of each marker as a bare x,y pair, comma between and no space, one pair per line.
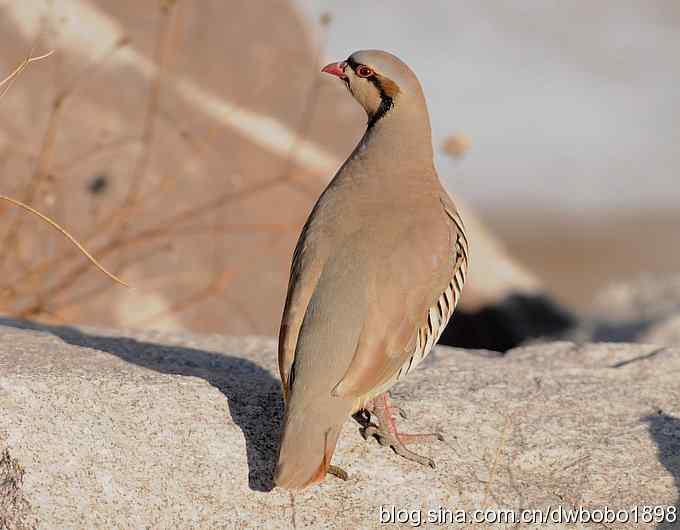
7,82
66,234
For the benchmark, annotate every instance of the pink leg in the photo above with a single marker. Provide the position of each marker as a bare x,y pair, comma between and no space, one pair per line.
388,435
370,406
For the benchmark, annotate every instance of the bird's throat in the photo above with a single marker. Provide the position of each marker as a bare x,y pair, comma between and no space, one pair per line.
397,139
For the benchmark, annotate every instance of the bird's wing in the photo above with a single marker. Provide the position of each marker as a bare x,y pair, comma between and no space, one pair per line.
422,271
305,270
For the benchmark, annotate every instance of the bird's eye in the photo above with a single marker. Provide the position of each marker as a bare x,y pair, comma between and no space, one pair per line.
364,71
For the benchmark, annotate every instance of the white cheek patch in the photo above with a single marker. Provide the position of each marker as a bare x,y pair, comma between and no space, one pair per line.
364,92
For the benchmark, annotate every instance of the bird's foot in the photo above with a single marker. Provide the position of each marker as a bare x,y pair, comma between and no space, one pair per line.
337,472
370,406
398,410
387,434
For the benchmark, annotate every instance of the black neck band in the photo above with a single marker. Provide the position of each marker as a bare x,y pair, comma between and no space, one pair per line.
386,101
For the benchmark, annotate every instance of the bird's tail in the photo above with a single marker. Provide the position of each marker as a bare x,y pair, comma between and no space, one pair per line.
310,433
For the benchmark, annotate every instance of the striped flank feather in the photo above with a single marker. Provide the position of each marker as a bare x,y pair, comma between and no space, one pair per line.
439,314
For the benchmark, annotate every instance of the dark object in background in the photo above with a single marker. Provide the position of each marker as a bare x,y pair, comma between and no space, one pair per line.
98,185
507,324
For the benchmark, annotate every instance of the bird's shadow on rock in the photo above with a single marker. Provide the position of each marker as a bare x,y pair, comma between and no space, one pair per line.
253,394
665,431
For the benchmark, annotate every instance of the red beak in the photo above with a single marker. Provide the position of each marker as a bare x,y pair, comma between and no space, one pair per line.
336,69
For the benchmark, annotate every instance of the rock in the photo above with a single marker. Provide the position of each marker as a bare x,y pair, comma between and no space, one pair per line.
645,311
15,510
291,134
151,430
666,331
649,297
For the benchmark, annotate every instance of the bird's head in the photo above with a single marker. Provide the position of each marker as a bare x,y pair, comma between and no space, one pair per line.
378,80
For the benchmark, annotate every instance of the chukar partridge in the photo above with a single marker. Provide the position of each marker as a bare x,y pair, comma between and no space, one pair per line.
375,276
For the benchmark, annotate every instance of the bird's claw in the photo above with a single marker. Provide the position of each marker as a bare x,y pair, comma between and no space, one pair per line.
337,472
387,434
398,446
370,430
399,410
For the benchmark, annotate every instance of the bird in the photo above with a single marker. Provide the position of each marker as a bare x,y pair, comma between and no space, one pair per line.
376,274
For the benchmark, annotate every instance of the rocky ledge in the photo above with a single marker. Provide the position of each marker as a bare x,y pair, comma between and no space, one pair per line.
103,429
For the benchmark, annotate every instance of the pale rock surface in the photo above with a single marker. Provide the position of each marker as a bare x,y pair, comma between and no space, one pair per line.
150,430
645,310
648,297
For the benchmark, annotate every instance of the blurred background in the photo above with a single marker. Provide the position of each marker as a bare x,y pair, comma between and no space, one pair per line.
184,143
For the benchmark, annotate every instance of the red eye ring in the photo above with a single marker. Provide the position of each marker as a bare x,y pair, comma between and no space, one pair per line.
364,71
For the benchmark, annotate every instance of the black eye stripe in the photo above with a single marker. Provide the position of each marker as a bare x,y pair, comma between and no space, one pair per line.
386,102
352,64
355,67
